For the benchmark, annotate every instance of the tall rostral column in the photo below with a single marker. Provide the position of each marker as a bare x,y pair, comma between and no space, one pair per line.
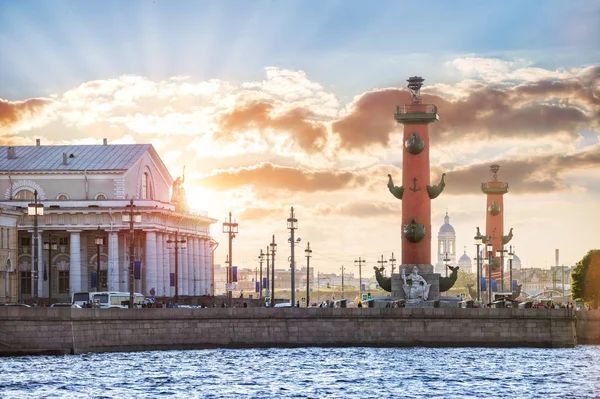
416,193
494,219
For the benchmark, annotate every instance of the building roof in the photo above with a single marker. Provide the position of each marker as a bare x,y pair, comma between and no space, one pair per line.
446,227
79,157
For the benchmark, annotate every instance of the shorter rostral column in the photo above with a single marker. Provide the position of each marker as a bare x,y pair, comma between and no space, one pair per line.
494,221
416,193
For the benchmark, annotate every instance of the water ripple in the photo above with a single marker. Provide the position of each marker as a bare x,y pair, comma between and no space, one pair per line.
308,373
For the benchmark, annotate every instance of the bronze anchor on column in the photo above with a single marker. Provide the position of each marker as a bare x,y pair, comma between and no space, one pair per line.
414,188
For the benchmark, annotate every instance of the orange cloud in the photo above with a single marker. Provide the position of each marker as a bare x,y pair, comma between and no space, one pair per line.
540,174
529,110
308,135
15,112
268,176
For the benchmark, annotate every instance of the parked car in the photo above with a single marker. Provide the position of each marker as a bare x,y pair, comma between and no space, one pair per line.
65,305
283,305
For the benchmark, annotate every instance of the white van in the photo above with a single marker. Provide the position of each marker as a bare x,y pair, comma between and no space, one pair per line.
81,298
113,299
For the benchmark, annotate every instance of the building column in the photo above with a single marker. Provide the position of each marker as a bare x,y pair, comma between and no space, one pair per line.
183,261
75,283
113,261
202,267
207,268
191,265
197,264
172,267
123,263
160,265
167,267
150,280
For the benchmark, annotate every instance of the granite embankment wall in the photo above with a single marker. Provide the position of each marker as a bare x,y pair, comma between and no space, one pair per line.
588,327
66,330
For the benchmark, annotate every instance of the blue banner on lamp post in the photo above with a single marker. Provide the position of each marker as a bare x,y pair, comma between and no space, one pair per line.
234,270
137,270
483,284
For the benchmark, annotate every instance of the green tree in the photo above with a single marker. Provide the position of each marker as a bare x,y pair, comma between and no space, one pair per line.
460,286
585,280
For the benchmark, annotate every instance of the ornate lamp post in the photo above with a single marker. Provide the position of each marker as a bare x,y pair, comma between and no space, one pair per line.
261,258
510,259
500,252
273,250
490,251
478,241
129,216
178,243
50,246
35,209
292,225
231,228
99,241
308,251
446,259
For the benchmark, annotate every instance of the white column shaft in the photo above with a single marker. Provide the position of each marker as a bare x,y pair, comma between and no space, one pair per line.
150,264
160,265
191,268
202,267
75,283
113,261
207,268
183,262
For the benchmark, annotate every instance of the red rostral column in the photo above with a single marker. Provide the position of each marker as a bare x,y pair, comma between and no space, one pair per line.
494,218
416,192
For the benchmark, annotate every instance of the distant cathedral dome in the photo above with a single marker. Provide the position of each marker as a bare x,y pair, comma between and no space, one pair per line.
516,262
446,227
464,261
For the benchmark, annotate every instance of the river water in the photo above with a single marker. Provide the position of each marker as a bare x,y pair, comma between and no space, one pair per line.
309,373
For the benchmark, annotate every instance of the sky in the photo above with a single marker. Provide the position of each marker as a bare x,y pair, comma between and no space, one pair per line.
273,104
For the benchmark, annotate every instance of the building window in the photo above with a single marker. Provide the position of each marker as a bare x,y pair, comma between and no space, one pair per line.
441,247
452,247
145,186
100,197
8,238
25,241
63,241
62,197
26,283
2,238
24,195
63,282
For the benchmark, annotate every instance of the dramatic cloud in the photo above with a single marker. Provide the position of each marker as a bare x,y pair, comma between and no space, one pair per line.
269,176
307,134
541,174
23,115
529,110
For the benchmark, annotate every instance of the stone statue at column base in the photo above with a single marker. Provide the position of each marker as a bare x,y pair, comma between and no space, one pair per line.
415,287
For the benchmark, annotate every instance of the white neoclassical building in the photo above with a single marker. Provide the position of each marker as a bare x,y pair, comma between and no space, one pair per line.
446,248
85,190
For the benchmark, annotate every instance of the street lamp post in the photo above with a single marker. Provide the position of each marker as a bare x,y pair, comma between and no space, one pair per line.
446,259
35,209
360,261
261,258
292,225
131,217
500,252
268,287
99,242
273,250
510,259
478,241
490,251
308,251
177,243
231,228
343,281
50,246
